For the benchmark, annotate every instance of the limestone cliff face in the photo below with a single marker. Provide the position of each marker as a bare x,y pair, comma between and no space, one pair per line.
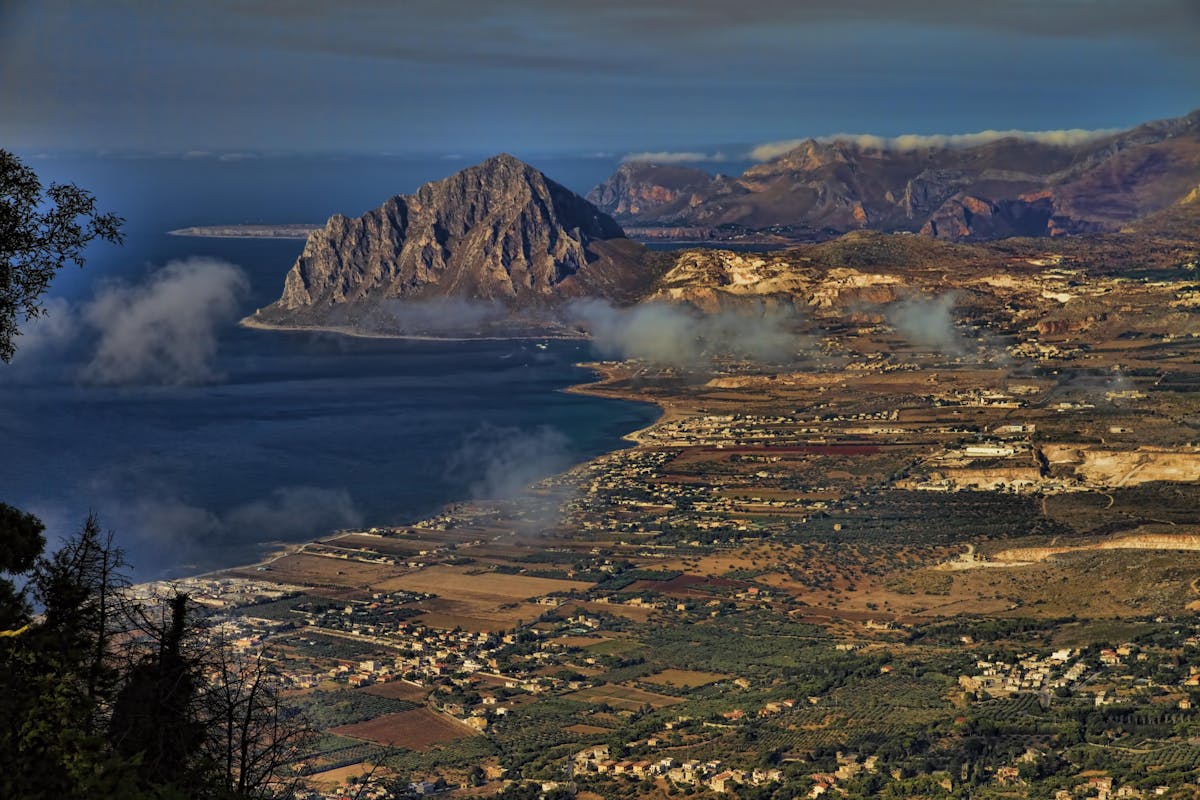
498,231
963,217
638,189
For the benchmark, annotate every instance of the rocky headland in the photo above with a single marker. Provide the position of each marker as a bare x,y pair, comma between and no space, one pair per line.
496,247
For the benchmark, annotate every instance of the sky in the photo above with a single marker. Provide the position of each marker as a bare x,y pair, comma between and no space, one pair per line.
567,77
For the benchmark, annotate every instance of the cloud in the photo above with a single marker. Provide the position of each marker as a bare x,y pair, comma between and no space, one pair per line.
163,330
914,141
1057,138
368,27
51,329
435,316
769,150
294,508
669,157
681,336
501,462
163,533
929,323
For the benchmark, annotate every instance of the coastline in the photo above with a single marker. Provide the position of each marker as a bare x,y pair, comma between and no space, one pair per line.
609,374
301,231
283,231
252,324
604,375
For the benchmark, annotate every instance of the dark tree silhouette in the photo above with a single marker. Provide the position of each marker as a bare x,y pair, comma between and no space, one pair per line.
154,717
106,695
252,739
40,231
21,542
57,677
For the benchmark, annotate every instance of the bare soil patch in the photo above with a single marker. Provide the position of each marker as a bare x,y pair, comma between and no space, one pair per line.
684,678
418,729
626,697
397,690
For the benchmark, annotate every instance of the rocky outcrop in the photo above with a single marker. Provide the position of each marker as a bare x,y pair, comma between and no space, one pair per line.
500,231
995,189
716,279
638,189
965,217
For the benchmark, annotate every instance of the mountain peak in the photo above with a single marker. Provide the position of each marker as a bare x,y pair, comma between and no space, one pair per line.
499,230
503,161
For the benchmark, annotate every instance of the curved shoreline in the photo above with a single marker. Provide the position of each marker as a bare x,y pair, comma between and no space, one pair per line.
597,388
602,374
252,324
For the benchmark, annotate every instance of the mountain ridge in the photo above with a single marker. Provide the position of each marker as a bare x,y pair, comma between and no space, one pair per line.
1009,186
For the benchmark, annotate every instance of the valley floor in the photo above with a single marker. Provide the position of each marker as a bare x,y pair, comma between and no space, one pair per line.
883,571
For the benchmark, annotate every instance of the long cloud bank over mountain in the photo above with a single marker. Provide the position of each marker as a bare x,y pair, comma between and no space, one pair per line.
673,157
917,141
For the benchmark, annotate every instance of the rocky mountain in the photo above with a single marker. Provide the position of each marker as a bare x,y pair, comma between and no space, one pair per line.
637,188
1015,186
499,232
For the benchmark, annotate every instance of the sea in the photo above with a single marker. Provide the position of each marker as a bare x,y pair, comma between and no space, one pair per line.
203,445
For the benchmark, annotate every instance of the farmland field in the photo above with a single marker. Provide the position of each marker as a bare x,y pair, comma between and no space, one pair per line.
613,647
583,642
397,690
319,571
415,730
447,614
332,778
484,586
477,600
626,697
685,678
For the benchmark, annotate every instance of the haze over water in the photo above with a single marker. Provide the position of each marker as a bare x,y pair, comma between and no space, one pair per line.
293,434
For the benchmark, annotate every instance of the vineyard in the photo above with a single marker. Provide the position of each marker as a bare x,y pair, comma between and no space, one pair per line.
330,751
629,698
347,706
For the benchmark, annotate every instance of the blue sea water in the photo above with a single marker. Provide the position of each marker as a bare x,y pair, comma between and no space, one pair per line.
292,434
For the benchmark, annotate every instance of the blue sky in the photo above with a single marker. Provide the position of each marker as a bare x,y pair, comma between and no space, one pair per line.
560,76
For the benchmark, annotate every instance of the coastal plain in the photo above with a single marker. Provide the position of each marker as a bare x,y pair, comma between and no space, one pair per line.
801,564
918,518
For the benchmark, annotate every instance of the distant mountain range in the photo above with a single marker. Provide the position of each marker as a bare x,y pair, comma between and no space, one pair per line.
1014,186
499,248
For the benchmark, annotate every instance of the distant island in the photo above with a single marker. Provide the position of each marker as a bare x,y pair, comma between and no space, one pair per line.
283,231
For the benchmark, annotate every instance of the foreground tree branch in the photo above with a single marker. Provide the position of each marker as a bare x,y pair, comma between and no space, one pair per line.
40,231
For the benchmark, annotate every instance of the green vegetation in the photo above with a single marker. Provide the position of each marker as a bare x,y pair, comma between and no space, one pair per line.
346,706
41,229
933,518
107,697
